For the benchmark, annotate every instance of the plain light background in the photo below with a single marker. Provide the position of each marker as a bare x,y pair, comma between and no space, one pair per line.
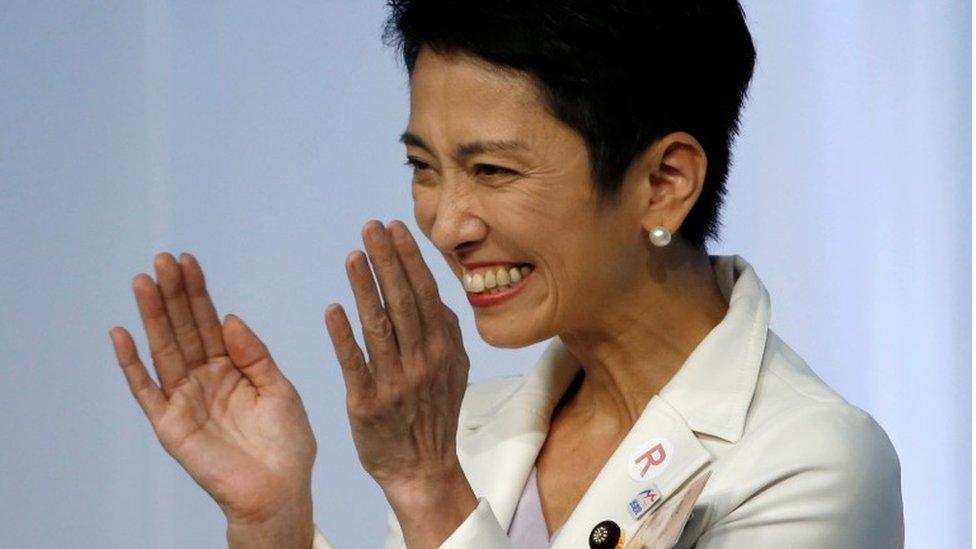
262,136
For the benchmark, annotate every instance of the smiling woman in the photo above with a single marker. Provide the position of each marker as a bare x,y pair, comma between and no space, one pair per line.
569,162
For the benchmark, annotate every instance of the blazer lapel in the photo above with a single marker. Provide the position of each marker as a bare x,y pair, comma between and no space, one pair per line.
498,447
656,458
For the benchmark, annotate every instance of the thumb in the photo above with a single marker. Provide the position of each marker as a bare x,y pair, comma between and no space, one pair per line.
249,354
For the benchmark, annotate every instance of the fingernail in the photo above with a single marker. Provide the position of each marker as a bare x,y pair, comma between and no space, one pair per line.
359,263
399,227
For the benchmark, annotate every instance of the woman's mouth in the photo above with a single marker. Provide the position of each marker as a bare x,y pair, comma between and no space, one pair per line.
493,284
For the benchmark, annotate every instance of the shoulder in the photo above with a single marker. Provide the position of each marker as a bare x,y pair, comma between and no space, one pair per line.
834,437
789,393
807,454
822,471
793,405
785,379
821,474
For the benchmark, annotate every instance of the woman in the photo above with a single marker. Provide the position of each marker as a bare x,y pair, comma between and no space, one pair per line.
569,162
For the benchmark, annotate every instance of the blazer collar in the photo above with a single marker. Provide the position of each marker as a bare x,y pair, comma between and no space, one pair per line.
714,388
710,394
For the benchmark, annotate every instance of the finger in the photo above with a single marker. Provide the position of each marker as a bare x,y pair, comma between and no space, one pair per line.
378,333
249,354
150,398
171,286
451,324
166,354
204,312
398,296
355,372
421,280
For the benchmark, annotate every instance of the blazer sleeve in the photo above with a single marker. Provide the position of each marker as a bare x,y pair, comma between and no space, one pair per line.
481,529
319,541
829,477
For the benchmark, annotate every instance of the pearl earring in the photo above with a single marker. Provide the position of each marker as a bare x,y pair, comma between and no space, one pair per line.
660,236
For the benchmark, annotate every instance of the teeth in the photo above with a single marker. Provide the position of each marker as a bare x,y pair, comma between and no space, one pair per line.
494,281
490,281
477,283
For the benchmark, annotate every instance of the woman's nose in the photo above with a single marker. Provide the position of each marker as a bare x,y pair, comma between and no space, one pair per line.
456,225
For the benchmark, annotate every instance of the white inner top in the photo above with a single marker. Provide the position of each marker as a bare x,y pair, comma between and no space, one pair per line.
528,529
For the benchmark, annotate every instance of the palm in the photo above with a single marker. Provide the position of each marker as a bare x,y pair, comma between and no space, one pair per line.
224,411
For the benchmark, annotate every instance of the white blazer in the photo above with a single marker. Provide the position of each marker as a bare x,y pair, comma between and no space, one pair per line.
792,464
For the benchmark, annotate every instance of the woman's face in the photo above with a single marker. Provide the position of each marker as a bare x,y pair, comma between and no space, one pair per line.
500,185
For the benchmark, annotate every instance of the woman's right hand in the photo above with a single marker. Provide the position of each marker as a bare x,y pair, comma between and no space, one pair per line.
222,407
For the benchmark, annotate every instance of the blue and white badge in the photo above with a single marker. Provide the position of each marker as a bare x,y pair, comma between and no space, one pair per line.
644,501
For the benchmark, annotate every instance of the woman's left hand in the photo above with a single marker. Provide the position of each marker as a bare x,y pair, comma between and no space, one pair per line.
403,401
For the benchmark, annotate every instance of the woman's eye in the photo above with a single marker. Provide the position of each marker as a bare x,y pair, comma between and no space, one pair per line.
416,164
489,169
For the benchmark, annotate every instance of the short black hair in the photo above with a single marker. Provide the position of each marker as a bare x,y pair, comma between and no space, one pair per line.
623,73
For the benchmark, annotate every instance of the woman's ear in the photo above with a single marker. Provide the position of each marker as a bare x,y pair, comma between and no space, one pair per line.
673,171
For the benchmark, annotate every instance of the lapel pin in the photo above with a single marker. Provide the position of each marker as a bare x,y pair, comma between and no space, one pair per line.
664,527
650,459
644,500
606,535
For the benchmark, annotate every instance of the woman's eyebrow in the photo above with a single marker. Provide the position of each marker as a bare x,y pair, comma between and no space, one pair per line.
465,150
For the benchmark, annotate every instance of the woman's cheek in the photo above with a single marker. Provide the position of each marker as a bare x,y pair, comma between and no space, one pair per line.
424,208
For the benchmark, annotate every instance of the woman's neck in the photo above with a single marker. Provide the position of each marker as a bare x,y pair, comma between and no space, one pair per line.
636,344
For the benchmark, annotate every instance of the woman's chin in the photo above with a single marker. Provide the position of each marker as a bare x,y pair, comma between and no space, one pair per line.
505,335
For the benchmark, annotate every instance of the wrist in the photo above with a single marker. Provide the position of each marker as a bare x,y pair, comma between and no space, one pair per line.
429,510
290,527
